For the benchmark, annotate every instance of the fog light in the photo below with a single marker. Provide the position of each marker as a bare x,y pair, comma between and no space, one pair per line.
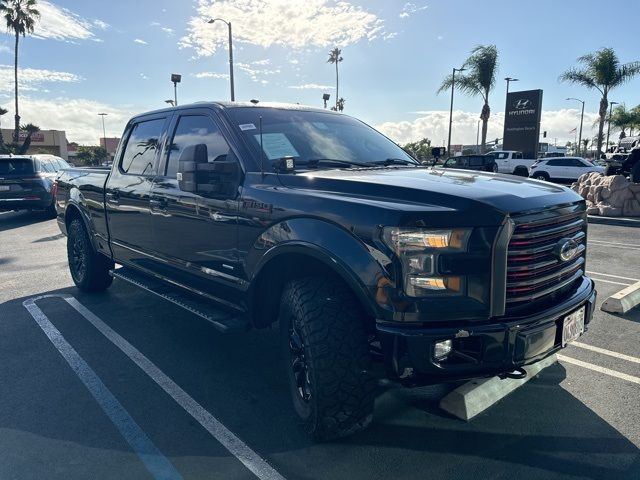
442,349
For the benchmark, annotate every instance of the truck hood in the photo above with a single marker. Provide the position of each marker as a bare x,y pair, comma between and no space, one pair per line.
449,189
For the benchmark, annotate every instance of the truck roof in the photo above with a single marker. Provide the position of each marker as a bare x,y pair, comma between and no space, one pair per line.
222,105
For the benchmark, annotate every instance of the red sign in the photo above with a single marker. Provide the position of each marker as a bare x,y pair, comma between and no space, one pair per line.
37,137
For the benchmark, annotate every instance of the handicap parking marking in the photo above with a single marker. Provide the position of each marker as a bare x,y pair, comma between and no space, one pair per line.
249,458
599,369
155,462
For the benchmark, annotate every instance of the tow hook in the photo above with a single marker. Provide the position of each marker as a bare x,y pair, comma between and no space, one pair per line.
518,374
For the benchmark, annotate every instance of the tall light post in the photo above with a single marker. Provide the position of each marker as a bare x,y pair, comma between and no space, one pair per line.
581,119
213,20
510,79
611,104
453,86
104,134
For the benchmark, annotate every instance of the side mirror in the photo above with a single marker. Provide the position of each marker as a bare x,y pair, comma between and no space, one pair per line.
189,159
197,174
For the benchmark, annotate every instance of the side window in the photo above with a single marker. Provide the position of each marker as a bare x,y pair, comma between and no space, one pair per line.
518,156
554,163
476,161
140,153
576,163
194,130
47,166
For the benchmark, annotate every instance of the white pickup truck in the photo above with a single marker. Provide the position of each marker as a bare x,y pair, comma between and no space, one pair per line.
511,161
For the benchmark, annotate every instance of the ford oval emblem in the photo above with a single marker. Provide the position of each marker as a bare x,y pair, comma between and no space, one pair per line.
566,249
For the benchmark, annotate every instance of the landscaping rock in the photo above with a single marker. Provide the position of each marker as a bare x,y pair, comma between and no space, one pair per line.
611,196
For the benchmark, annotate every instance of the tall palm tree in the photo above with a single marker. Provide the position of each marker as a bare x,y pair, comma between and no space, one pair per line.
482,66
621,118
335,57
3,111
601,71
21,16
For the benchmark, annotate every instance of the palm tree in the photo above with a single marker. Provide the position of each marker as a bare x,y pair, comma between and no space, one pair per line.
30,128
335,57
21,16
601,71
3,111
622,119
482,66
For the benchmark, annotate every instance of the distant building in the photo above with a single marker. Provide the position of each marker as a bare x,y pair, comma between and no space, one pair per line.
111,145
53,142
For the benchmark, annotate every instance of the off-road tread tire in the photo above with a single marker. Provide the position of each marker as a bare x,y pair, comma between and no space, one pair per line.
332,326
96,277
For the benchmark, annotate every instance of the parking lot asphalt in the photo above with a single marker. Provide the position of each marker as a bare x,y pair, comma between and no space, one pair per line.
138,388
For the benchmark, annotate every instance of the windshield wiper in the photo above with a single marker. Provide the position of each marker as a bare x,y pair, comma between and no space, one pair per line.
316,162
396,161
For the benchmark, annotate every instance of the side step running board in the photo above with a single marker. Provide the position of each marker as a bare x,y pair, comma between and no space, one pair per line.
221,318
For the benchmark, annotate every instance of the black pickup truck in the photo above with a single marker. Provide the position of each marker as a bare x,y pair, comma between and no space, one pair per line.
373,265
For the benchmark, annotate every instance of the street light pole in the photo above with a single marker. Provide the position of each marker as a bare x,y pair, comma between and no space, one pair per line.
104,134
581,119
478,138
233,95
453,86
611,104
510,79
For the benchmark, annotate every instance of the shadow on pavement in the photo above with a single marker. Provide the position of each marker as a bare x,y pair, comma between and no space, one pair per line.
11,220
539,431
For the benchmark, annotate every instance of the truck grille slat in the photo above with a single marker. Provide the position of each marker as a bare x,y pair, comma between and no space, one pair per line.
534,267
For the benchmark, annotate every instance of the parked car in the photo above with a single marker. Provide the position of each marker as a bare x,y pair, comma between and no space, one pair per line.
371,264
26,182
472,162
510,161
562,168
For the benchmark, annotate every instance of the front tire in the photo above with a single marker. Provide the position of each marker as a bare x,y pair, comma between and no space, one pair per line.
89,270
541,176
327,357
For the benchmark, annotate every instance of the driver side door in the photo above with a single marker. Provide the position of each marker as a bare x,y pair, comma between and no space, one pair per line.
195,234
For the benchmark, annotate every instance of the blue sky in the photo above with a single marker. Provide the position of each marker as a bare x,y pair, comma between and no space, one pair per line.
117,57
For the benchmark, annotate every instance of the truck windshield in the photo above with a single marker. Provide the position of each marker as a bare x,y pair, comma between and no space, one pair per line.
312,136
16,166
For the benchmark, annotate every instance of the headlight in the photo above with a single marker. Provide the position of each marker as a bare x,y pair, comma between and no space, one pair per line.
418,250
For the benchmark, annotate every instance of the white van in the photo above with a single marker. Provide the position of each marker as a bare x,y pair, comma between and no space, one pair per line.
511,161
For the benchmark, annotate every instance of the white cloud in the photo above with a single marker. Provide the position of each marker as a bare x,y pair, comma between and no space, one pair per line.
140,41
31,79
77,117
143,76
211,75
435,125
312,86
290,23
101,25
256,73
4,48
167,30
62,24
410,8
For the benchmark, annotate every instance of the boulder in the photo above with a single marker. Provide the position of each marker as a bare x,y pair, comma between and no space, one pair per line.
608,195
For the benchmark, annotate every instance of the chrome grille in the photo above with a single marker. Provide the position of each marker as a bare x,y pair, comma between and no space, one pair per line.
534,267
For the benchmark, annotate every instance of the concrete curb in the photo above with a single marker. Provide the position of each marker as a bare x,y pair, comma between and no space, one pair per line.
474,397
623,301
619,221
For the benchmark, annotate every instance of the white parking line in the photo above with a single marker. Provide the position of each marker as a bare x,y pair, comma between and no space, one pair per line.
598,368
222,434
613,276
626,246
610,281
621,356
157,464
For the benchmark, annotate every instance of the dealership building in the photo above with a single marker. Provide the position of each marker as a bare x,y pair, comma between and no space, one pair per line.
53,142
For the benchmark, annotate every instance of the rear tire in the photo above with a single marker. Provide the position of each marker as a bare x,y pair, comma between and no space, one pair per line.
521,171
541,176
89,270
50,211
327,357
494,168
635,173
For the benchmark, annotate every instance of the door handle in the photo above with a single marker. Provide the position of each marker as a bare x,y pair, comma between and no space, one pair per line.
158,202
112,197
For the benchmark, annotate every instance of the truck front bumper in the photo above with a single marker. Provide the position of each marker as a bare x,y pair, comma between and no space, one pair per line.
479,350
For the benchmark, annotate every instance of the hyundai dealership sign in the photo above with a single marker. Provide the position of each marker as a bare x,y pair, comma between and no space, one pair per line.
522,122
